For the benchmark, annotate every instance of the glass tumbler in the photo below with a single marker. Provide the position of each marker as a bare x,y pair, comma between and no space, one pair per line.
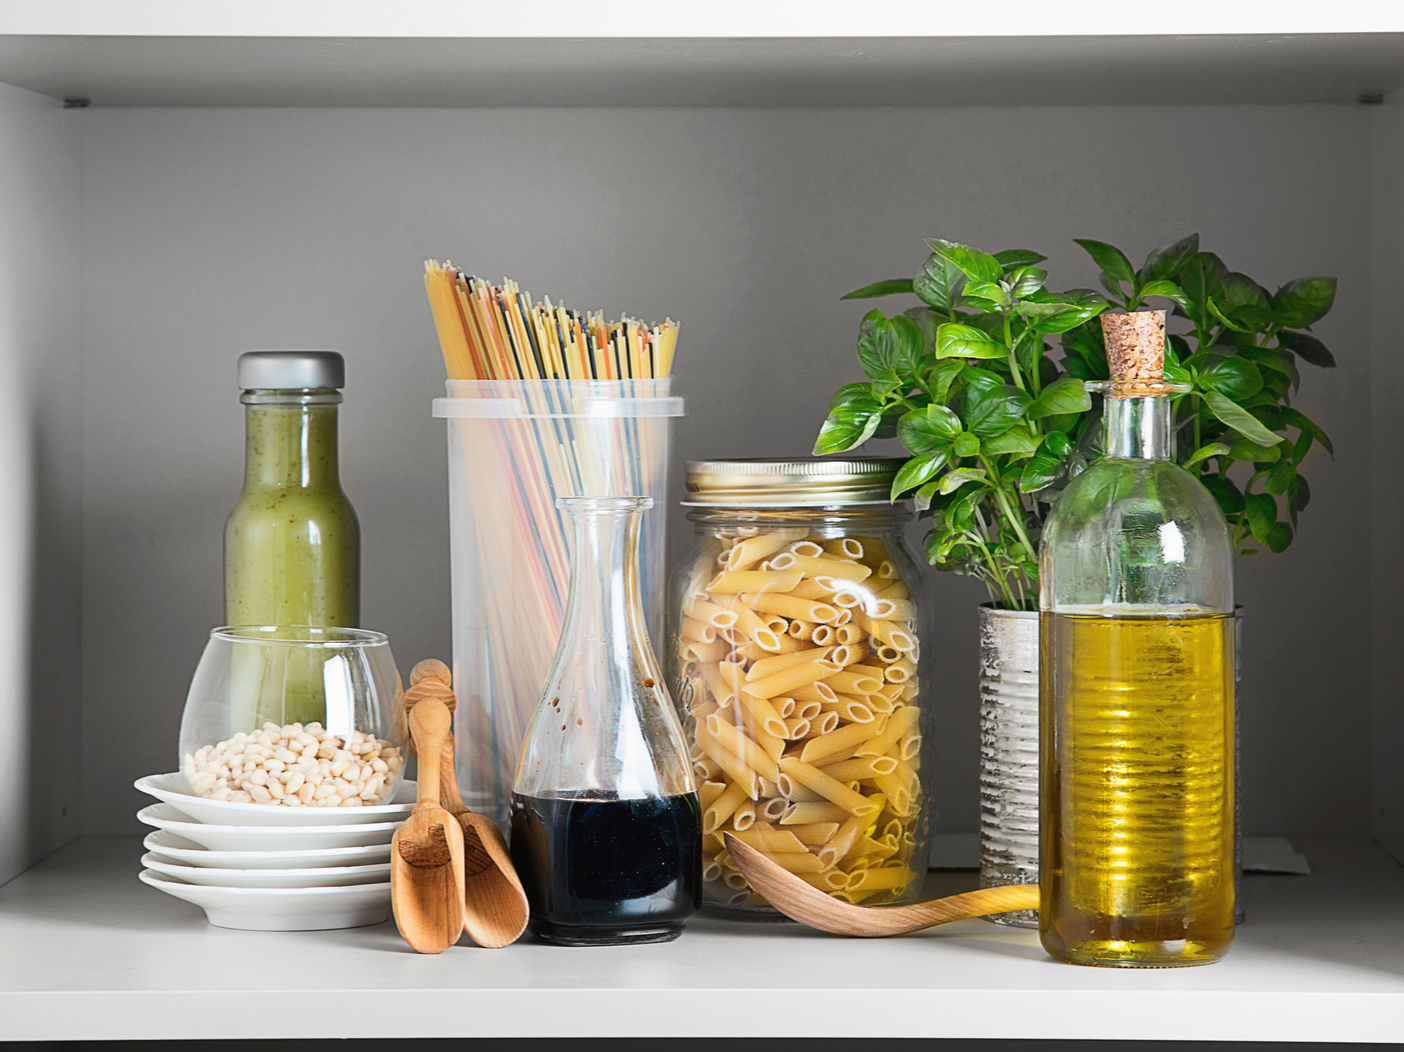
294,716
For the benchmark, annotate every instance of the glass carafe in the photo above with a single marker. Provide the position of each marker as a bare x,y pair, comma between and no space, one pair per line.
605,818
1136,698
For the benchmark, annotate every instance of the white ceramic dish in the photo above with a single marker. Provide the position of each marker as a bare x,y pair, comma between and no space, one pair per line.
325,877
172,789
265,838
281,909
188,853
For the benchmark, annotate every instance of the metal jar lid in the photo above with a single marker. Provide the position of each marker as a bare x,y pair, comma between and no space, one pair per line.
291,370
790,483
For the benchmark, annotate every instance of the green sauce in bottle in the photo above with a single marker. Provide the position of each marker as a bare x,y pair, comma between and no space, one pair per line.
292,544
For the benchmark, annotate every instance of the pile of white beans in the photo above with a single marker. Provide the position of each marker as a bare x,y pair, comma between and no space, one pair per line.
296,766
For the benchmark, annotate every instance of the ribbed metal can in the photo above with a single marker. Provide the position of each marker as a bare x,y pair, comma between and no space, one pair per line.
1009,753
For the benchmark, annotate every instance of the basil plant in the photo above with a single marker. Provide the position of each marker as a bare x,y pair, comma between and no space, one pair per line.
996,427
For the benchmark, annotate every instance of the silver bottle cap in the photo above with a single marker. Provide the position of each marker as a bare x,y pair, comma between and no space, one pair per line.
291,370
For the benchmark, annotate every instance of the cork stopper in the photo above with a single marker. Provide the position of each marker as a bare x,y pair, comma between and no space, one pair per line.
1135,346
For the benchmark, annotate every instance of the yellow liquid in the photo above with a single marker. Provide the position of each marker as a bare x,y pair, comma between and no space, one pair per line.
1137,799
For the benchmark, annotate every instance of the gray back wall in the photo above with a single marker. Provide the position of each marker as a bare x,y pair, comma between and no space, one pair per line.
207,232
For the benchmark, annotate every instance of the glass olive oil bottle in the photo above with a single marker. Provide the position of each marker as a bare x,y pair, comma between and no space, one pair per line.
1136,690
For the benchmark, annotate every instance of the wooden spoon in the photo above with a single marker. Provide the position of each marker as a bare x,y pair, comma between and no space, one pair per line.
426,863
808,905
495,909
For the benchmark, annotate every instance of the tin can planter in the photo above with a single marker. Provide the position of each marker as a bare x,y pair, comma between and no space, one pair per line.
1009,753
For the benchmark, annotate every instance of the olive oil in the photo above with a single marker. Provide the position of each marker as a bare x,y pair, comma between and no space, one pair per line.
1137,832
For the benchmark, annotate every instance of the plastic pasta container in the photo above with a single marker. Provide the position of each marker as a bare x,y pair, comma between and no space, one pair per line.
794,651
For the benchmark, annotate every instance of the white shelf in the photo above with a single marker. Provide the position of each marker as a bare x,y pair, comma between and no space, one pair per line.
92,953
667,70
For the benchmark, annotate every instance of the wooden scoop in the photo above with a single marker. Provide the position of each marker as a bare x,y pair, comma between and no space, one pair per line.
426,862
495,909
808,905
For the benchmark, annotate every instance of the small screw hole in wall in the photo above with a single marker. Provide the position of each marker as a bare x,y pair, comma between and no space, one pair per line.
76,104
1370,98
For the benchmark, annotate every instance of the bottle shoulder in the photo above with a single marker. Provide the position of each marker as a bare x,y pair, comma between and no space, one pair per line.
1149,489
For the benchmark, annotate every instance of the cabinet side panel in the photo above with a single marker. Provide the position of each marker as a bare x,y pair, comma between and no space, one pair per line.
1387,474
40,450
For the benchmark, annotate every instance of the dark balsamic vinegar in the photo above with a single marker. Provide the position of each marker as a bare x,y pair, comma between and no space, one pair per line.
600,871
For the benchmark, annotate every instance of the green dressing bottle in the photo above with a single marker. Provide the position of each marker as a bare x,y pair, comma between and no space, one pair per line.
292,545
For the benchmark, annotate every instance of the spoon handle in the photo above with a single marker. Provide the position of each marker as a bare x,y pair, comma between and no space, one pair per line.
808,905
430,721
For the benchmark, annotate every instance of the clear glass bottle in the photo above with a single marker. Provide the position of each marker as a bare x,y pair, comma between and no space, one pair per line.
1136,690
799,569
605,817
292,543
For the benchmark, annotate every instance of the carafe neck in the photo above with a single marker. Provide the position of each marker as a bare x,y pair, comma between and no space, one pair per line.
605,608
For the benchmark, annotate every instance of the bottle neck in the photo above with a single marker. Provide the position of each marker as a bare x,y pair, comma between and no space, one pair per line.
290,439
1136,428
605,607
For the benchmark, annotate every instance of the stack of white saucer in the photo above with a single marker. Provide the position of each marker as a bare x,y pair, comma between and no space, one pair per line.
271,868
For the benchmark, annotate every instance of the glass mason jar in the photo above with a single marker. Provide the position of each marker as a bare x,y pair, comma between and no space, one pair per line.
794,650
1136,696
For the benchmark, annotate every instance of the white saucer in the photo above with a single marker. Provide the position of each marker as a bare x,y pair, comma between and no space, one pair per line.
282,909
189,853
265,838
323,877
173,789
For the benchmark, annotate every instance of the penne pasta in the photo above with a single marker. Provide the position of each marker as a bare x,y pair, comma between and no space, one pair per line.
841,743
736,582
828,787
790,606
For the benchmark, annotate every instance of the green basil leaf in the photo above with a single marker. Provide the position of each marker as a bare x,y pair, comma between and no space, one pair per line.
1109,259
992,291
1302,302
1017,440
984,379
921,499
1166,261
976,265
1057,443
1261,511
1168,289
941,375
1080,305
992,412
1237,291
919,470
953,480
1012,259
928,430
848,426
1238,418
1216,309
1308,348
880,288
1237,378
938,282
1279,479
1298,419
965,444
1229,496
1214,449
1199,279
928,321
1025,281
859,392
1298,496
890,346
1241,448
979,303
1279,537
965,341
1039,472
1067,395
